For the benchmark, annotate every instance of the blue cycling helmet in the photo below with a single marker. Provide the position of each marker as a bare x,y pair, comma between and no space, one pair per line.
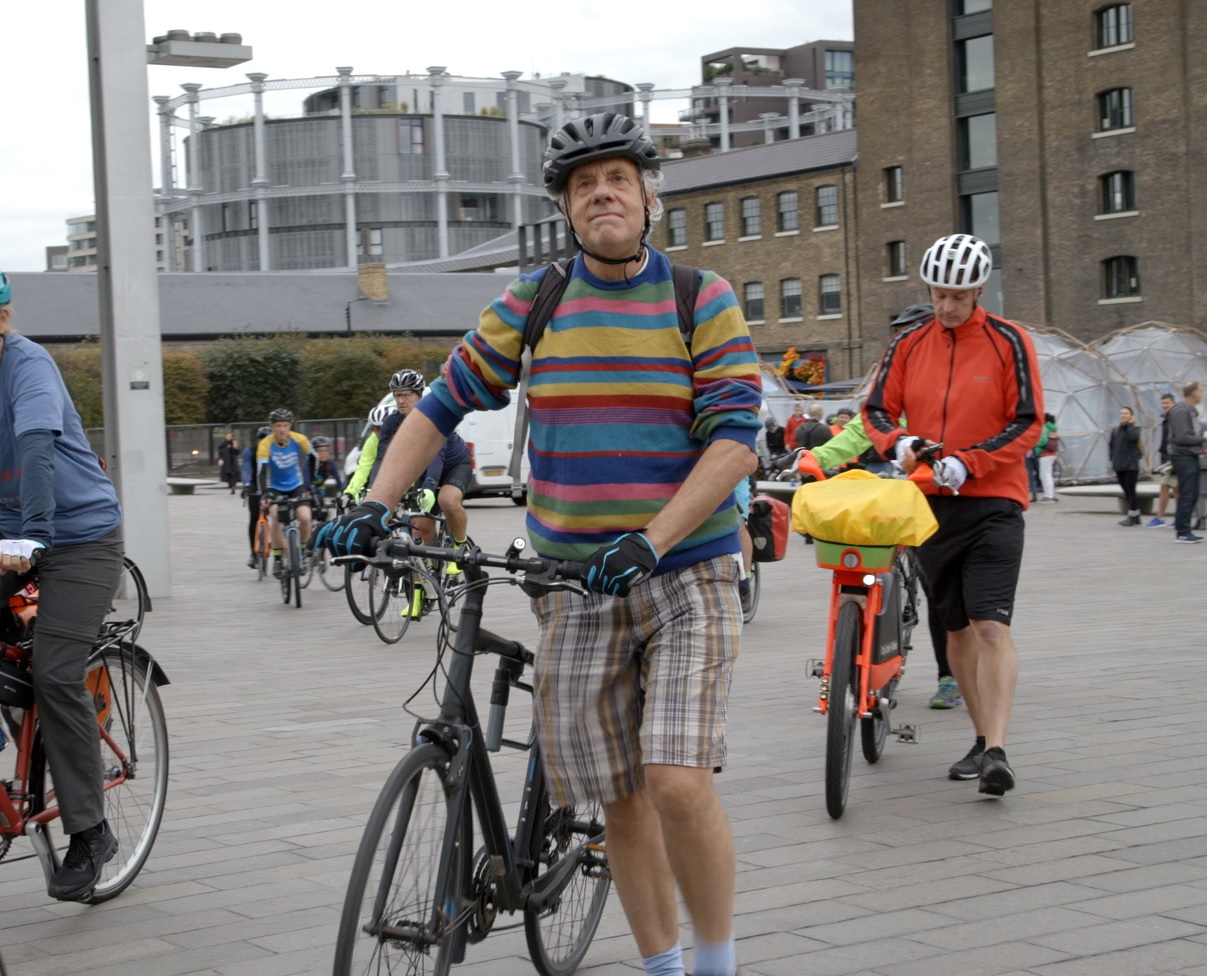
6,291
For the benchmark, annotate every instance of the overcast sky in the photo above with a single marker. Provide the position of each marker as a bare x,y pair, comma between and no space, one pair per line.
46,152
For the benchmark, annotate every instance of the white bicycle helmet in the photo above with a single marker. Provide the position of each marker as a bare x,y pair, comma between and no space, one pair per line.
959,261
377,416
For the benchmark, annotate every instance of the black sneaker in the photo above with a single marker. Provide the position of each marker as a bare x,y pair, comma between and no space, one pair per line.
252,560
970,766
996,775
86,856
277,569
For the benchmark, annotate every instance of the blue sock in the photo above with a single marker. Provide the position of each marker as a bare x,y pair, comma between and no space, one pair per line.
669,963
716,959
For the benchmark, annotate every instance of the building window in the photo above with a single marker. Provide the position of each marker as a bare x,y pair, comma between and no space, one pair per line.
978,142
974,6
894,184
753,295
253,215
410,137
1115,110
975,64
468,103
787,211
714,221
840,69
895,253
1121,276
676,227
752,222
1118,192
827,206
368,242
829,295
1114,25
790,298
980,215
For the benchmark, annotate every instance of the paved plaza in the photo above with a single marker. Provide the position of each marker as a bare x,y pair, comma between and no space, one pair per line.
285,722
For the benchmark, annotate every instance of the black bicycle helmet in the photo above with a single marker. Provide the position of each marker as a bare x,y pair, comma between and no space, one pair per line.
601,136
263,432
280,414
320,441
915,313
407,379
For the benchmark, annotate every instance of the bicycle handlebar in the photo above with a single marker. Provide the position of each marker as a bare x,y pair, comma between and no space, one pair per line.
538,569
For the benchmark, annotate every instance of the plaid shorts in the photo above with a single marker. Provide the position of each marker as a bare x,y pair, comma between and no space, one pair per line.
621,683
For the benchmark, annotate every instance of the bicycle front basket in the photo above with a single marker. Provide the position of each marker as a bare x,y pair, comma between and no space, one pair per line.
859,509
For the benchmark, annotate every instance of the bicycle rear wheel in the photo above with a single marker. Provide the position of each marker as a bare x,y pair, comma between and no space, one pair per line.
390,596
560,934
332,577
755,584
402,903
131,601
905,566
293,568
262,548
843,708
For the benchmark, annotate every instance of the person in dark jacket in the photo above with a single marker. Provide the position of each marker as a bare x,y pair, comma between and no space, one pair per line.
814,431
1185,449
228,461
1125,460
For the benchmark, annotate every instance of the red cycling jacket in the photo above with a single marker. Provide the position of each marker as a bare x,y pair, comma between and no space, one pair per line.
976,389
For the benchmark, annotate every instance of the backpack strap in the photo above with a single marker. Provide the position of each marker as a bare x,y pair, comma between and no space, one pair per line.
687,290
548,294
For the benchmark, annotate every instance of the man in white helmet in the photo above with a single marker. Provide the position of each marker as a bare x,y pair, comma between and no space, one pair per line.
969,381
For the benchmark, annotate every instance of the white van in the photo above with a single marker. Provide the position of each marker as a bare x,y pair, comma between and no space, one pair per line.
489,435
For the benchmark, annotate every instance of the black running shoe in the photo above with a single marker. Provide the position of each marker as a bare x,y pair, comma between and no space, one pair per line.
996,775
970,766
86,856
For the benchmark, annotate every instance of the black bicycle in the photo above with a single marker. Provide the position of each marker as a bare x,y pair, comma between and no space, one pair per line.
419,894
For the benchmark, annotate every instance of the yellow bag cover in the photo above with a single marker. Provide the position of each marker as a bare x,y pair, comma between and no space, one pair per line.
859,509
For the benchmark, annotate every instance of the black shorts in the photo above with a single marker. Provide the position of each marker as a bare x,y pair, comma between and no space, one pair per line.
971,564
459,476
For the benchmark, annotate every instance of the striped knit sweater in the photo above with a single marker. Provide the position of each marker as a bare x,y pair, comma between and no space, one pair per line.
619,413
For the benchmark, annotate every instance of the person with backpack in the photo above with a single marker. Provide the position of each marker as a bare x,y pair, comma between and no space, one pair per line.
641,427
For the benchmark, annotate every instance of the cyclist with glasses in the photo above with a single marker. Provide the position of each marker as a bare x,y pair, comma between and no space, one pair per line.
639,433
286,469
970,381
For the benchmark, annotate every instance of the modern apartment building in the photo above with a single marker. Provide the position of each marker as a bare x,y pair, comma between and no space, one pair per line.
746,73
1071,136
80,252
778,222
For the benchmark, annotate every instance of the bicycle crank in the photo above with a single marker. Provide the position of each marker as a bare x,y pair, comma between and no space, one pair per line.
481,897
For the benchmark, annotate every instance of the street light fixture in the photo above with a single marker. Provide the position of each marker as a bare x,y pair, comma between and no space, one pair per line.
348,313
203,50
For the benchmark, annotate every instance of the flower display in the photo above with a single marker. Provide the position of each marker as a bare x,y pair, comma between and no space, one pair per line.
809,368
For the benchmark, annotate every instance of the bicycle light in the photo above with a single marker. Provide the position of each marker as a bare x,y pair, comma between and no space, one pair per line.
869,579
850,559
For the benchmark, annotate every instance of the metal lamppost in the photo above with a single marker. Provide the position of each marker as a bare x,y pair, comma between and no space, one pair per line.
127,286
348,314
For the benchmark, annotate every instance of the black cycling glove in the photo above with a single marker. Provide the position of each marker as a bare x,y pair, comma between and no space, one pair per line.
351,533
618,567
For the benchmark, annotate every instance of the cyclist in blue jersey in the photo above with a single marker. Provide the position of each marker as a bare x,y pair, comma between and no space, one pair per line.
285,467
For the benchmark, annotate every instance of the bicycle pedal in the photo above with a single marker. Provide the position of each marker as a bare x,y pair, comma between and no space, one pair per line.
908,733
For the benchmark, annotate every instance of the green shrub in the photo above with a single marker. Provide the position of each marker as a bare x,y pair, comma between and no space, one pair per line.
250,377
185,387
81,369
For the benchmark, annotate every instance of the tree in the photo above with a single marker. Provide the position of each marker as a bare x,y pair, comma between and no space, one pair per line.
185,387
81,369
250,377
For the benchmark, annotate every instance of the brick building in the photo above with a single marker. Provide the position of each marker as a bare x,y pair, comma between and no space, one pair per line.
777,221
1071,136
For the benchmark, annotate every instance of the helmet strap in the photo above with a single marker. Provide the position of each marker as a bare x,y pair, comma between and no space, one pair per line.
641,246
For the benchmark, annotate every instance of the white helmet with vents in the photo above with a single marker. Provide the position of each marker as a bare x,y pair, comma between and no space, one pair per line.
959,261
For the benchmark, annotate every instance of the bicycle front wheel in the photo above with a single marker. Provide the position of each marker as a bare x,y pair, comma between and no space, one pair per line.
332,577
390,596
402,902
134,759
843,708
559,934
294,568
356,590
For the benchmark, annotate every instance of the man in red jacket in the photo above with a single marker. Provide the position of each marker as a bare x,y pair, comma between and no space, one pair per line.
969,381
